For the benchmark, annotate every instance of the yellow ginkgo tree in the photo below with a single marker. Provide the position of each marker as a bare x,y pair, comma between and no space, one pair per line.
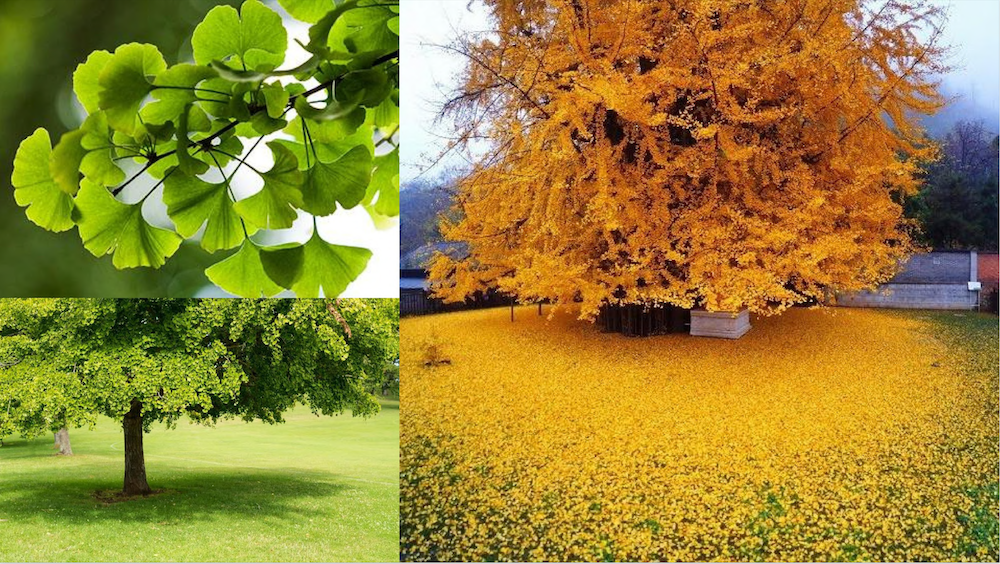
714,154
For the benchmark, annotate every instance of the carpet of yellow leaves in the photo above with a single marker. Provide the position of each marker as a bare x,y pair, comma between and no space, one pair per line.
820,435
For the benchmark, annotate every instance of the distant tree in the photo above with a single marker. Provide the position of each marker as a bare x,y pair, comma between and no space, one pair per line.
146,361
390,380
723,155
956,206
34,399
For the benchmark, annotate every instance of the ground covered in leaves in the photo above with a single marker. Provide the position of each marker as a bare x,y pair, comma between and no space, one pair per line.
820,435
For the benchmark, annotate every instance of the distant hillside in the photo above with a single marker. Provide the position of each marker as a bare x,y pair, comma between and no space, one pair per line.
421,202
962,107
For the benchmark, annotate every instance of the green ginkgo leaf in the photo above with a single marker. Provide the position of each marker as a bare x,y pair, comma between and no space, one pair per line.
86,80
348,111
275,98
274,206
310,11
315,266
99,163
64,164
330,268
343,181
125,82
364,30
109,226
185,162
385,184
385,116
48,205
365,87
174,89
192,202
255,36
242,274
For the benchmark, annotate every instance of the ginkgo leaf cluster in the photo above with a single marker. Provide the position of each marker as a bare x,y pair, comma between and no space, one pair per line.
332,123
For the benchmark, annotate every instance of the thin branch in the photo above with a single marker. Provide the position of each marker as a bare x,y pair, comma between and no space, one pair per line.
234,157
509,82
118,190
193,89
158,184
206,142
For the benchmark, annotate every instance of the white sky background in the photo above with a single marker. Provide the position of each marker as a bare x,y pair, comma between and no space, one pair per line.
973,30
428,75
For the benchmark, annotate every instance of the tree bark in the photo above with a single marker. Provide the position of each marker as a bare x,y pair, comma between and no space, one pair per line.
135,459
62,441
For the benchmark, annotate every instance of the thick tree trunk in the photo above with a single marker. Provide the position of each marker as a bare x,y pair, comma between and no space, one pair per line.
135,459
62,441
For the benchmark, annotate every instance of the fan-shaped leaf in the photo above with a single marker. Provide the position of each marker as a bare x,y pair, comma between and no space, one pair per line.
191,202
48,205
310,11
255,36
109,226
315,266
342,181
272,207
243,274
86,80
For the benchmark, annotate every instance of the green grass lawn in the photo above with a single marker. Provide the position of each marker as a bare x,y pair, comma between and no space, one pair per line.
312,489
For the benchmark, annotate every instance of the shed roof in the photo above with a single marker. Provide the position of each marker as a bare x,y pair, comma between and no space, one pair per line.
413,284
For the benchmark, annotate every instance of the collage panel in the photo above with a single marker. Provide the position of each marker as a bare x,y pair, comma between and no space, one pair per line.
700,280
200,149
199,322
685,280
198,430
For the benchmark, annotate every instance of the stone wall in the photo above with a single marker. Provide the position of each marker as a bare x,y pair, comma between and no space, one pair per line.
936,268
913,296
938,280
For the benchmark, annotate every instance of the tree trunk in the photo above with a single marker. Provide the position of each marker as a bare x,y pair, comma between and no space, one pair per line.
135,459
62,441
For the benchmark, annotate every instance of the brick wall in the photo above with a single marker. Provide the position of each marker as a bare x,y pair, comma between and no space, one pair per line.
989,269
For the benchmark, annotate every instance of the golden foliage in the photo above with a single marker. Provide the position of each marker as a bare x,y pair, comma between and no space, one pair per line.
856,435
694,152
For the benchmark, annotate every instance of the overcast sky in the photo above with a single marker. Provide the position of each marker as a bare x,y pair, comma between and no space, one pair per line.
428,73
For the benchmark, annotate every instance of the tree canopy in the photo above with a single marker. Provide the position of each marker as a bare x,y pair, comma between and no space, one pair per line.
64,362
699,153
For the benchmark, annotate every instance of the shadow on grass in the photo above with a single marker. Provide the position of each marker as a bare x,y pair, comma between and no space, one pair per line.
188,495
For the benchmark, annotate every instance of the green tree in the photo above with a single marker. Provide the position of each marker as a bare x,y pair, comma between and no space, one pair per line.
186,127
956,207
34,399
146,361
